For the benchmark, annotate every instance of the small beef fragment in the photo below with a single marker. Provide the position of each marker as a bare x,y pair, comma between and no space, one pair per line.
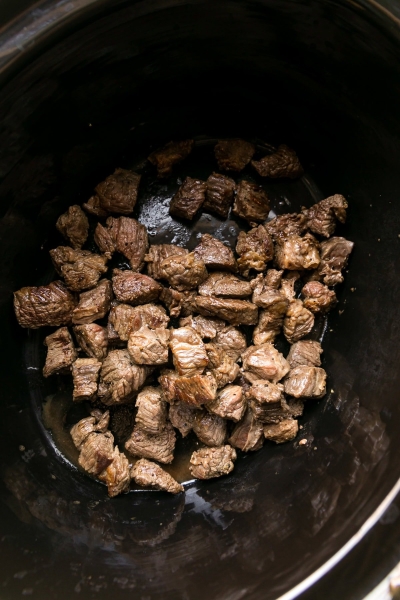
122,421
205,327
85,375
195,390
149,346
157,253
188,199
267,402
170,155
93,304
282,163
215,254
236,312
80,268
152,410
117,475
158,447
207,463
297,252
120,319
270,320
266,362
251,202
222,366
104,240
173,300
284,226
210,429
61,352
188,350
184,271
92,339
97,452
255,250
247,434
288,284
74,226
321,217
93,207
81,430
334,257
130,239
44,306
230,403
298,322
182,417
126,319
233,155
232,341
219,195
120,379
285,431
305,352
318,297
134,288
306,382
225,285
272,279
118,192
149,474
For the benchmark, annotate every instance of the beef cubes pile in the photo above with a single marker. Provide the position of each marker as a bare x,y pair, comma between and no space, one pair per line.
215,373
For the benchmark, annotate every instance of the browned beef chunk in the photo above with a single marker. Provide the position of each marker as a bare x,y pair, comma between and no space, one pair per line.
120,320
233,155
173,300
298,321
97,452
93,207
85,374
305,352
236,312
270,321
251,202
225,285
149,346
182,417
117,476
297,252
232,341
219,195
209,428
334,257
170,155
156,254
288,285
205,327
44,306
255,250
230,403
80,268
266,362
285,431
282,163
247,434
318,297
184,271
207,463
152,410
272,279
284,226
267,402
149,474
61,352
125,319
74,226
134,288
321,217
306,382
195,390
93,304
222,366
120,379
104,240
188,351
188,199
158,447
130,239
215,254
92,339
118,192
84,427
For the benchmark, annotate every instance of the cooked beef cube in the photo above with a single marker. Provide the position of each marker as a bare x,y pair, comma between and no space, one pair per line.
117,475
92,339
184,271
219,195
93,207
285,431
236,312
255,250
94,304
182,417
85,374
210,429
122,421
230,403
270,321
284,226
149,346
120,379
265,392
206,328
232,341
233,155
222,366
188,351
104,241
44,306
149,474
126,319
134,288
298,322
321,217
157,253
74,226
84,427
288,285
305,352
158,447
188,199
173,300
195,390
306,382
97,452
118,192
266,362
80,268
113,337
207,463
273,279
121,319
264,295
282,163
170,155
248,434
215,254
152,410
318,297
130,239
267,402
251,202
61,352
334,257
225,285
297,252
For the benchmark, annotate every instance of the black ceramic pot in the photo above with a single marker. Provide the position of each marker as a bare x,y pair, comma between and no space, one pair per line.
87,85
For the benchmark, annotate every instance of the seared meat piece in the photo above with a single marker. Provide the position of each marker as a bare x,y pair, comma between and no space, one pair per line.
221,365
265,392
188,199
284,226
282,163
270,321
305,352
149,474
297,252
178,303
219,195
120,379
156,254
117,475
210,429
237,312
206,328
44,306
230,403
248,433
298,322
334,257
184,271
170,155
85,374
74,226
105,242
149,346
272,279
152,410
288,285
267,402
255,249
158,447
285,431
97,452
80,268
125,319
251,202
318,297
321,217
121,319
207,463
188,350
232,341
233,155
266,362
134,288
225,285
215,254
118,192
92,339
94,304
122,421
306,382
130,239
195,391
93,207
61,352
84,427
182,417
